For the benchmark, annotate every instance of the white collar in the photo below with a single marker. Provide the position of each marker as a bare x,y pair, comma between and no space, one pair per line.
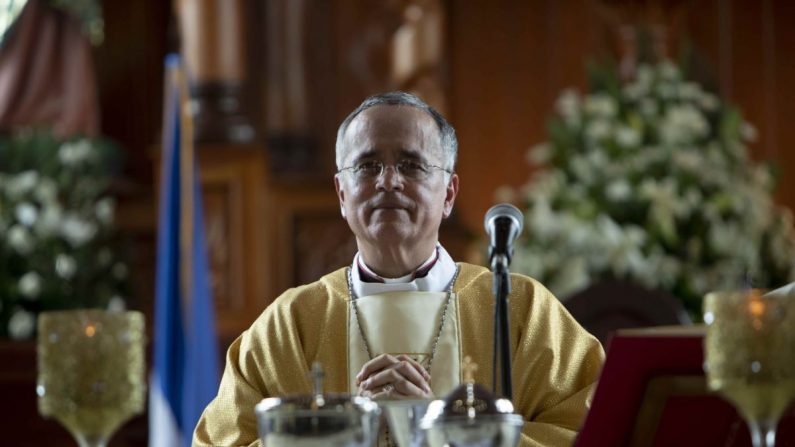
437,280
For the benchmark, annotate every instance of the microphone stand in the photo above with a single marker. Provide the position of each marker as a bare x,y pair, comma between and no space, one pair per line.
502,328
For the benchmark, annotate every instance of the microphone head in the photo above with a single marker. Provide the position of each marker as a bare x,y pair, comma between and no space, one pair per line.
504,210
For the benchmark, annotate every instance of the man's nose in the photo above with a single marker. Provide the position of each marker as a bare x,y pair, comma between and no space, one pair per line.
390,178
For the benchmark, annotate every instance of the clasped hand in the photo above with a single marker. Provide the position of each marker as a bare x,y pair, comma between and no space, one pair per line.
388,376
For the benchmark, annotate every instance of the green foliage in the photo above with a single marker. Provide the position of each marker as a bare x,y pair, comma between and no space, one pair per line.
57,245
650,180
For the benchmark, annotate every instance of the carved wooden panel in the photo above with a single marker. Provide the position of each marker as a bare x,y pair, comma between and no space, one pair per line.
322,242
222,208
309,236
232,179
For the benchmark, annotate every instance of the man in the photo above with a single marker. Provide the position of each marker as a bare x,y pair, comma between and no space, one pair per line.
399,321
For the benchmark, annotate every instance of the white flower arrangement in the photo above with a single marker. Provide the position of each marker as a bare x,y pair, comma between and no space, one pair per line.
650,181
57,246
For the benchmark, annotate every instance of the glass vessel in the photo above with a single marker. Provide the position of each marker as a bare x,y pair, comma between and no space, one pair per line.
91,371
750,355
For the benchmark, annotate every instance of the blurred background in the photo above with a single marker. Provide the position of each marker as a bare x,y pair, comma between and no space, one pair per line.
270,82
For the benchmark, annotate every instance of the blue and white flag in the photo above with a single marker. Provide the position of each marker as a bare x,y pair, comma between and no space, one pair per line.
185,372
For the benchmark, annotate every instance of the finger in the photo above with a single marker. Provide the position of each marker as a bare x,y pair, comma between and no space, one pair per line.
375,365
399,373
384,361
386,394
416,365
405,388
398,390
381,392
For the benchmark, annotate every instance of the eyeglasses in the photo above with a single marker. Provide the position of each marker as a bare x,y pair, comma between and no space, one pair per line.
408,169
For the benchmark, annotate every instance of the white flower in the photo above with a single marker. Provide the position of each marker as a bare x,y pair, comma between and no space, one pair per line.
597,129
21,324
666,90
572,277
600,105
65,266
634,91
49,221
665,205
583,172
20,240
690,91
722,237
748,132
505,193
709,102
539,154
74,153
648,107
30,285
618,190
46,191
21,184
116,304
568,104
645,76
542,220
26,213
104,210
76,230
693,198
693,221
668,70
545,184
689,161
627,137
681,124
762,177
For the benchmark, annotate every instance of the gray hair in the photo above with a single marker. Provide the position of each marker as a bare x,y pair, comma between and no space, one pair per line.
446,131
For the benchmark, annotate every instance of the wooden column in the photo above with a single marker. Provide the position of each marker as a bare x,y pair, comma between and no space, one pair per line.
213,44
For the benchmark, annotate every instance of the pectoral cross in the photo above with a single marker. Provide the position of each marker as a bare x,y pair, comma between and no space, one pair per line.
469,368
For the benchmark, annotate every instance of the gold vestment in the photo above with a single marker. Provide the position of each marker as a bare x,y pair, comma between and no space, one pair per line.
555,361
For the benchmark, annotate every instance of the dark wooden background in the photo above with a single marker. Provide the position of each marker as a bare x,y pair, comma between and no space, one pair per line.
271,209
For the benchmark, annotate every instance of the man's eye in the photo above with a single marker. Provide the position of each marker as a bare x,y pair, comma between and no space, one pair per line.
369,168
411,167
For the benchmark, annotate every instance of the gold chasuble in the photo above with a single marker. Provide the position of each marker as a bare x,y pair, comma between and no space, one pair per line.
555,361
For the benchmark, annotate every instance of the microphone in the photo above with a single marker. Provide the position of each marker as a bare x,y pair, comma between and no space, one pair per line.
503,224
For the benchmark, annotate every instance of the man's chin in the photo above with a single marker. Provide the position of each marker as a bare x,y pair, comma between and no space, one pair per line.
379,212
389,232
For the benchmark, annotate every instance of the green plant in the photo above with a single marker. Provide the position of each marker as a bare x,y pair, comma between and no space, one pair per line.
57,245
650,180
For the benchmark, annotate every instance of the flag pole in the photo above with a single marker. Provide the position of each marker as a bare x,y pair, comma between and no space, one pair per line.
186,187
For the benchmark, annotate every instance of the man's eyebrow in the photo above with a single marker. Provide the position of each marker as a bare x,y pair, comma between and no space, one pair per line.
366,155
371,154
411,153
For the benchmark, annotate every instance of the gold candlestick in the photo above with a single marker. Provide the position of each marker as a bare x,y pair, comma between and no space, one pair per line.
91,371
750,355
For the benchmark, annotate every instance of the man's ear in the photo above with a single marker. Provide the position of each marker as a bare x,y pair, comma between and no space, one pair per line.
450,194
340,194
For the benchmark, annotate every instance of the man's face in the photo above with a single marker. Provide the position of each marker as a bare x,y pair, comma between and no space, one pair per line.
389,211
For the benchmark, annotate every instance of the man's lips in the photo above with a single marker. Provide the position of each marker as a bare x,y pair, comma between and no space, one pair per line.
389,205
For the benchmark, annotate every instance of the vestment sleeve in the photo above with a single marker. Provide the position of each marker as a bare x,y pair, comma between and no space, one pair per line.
556,366
266,360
